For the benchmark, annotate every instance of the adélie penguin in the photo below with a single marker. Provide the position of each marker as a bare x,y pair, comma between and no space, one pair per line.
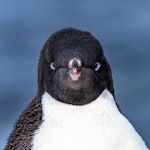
75,107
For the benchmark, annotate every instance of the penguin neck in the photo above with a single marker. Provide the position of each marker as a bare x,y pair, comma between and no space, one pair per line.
104,103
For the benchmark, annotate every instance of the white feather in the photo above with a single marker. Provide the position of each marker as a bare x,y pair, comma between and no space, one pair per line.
95,126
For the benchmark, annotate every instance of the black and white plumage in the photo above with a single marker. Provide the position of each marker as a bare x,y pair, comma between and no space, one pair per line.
74,108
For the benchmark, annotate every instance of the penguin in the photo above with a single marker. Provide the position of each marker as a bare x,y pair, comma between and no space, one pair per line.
74,107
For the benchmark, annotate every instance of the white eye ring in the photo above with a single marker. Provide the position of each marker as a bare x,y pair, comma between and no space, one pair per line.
52,65
97,66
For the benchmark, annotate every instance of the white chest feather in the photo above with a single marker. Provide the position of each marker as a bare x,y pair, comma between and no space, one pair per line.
95,126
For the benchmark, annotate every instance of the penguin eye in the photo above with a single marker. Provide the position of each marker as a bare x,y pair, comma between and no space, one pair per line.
52,66
97,66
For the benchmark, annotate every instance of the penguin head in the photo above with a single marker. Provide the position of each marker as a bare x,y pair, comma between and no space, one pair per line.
72,67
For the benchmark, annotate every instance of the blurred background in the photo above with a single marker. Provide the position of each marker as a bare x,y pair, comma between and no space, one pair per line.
123,27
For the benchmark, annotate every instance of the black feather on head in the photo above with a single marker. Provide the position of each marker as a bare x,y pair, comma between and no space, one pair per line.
60,48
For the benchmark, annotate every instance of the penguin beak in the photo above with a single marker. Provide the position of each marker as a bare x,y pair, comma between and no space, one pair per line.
74,69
